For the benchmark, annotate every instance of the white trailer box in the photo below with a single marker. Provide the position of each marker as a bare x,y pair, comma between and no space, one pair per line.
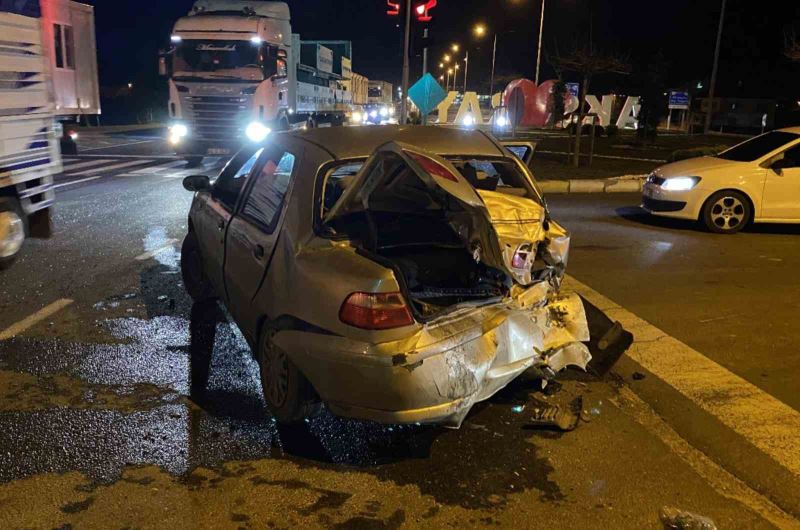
69,35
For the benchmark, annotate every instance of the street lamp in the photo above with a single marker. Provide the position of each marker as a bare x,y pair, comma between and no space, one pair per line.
479,30
446,58
455,48
539,51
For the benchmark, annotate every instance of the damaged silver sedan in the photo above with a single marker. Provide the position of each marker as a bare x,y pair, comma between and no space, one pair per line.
397,274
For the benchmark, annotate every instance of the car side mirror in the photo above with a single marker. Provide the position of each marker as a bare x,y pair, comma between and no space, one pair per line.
196,183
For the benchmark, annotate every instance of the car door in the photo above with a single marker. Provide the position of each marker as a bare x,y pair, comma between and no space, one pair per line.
782,187
214,209
255,229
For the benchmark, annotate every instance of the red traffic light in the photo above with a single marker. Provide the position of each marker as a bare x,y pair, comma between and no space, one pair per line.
394,8
422,10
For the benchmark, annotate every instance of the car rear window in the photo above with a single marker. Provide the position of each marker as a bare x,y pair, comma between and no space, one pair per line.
500,175
758,147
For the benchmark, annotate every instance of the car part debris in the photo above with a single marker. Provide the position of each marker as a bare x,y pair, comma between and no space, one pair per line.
675,519
554,417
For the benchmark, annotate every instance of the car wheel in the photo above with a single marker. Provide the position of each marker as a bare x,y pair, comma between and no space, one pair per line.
727,212
13,230
289,395
194,277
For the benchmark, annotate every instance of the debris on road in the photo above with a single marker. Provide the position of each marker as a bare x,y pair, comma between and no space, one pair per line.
675,519
554,417
638,376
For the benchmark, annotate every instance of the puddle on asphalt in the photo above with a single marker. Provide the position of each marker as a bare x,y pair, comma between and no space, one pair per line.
164,404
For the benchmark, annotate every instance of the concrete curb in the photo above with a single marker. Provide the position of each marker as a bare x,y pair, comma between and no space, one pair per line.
633,184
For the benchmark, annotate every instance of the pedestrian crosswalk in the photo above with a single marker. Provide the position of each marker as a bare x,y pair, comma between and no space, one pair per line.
87,168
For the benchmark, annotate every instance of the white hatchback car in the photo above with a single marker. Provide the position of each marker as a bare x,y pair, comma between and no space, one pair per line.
755,181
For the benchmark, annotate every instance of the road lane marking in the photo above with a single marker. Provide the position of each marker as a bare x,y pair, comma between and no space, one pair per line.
159,167
170,243
142,157
113,167
122,145
29,322
71,167
74,182
767,423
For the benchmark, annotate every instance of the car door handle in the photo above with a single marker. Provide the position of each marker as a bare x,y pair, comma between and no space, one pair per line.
258,252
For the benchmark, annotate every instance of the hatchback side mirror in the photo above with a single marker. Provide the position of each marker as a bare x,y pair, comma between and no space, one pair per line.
197,183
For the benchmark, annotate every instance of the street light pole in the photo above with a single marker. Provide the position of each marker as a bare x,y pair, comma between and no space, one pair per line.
466,70
714,71
539,52
403,96
494,61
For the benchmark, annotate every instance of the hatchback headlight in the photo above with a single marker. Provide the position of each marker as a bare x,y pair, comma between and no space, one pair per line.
680,183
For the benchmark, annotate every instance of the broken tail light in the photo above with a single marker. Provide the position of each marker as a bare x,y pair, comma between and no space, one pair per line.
376,311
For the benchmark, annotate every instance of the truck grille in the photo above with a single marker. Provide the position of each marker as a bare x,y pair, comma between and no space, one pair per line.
217,117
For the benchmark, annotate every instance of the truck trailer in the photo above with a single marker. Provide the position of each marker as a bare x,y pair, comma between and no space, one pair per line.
237,72
29,151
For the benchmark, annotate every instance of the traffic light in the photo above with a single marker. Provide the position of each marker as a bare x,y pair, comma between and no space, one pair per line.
422,10
394,8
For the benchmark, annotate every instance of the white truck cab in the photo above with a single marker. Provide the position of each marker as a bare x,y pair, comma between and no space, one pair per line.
235,74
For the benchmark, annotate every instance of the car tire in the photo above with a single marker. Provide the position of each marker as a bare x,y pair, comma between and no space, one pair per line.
194,277
289,395
13,230
727,212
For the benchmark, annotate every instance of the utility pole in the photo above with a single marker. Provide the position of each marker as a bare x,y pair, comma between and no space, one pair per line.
404,95
494,61
539,52
714,71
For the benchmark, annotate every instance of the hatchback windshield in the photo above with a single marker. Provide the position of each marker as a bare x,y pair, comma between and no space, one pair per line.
758,147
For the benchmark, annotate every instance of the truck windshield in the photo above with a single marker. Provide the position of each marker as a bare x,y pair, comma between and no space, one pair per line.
227,58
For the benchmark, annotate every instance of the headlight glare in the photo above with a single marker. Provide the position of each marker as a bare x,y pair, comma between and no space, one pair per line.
179,130
257,132
680,183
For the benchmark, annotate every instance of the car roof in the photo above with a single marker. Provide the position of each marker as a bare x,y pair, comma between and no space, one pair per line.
793,130
362,141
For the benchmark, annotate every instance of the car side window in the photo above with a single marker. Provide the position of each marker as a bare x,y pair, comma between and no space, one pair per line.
233,178
266,199
791,158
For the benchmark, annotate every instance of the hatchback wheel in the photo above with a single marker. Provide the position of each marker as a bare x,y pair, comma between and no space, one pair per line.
194,277
289,395
727,212
12,230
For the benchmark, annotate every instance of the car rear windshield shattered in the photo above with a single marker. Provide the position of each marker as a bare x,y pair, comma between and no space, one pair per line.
436,242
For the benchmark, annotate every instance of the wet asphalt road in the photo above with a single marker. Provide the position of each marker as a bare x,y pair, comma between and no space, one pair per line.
132,408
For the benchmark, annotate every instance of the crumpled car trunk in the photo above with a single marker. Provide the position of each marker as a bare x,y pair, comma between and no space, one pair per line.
453,248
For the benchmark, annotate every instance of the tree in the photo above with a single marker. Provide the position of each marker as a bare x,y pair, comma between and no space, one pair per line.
588,62
556,102
650,84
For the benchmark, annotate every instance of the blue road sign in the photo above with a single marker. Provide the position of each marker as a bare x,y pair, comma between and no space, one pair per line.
678,100
427,94
574,89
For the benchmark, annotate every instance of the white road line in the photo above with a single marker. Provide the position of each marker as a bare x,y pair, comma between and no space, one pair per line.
142,157
29,322
767,423
112,167
159,167
74,182
121,145
82,165
169,243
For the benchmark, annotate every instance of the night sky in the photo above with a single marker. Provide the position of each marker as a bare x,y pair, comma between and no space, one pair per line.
131,31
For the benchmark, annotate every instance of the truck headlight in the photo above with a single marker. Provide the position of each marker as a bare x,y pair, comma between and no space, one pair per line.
680,183
468,120
356,117
501,122
180,130
257,132
384,112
